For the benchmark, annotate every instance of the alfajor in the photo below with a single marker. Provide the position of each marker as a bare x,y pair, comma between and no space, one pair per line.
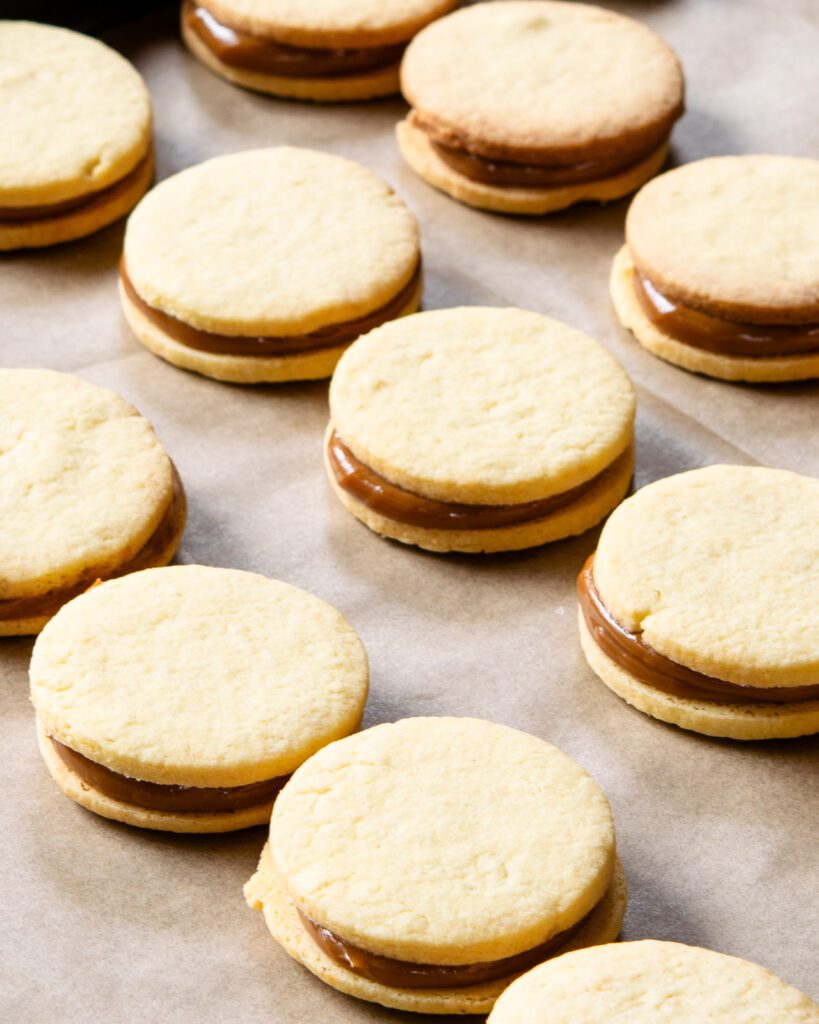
75,135
180,699
324,50
479,430
265,265
699,605
424,864
86,492
529,106
651,982
720,270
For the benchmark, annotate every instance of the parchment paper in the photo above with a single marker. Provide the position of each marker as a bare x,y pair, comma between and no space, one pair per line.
105,923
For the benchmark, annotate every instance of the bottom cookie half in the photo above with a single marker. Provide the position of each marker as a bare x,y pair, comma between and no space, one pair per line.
419,153
236,369
92,216
757,369
266,892
607,491
758,721
336,89
143,817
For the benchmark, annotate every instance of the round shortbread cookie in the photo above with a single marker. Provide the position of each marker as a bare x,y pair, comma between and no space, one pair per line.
759,369
482,405
651,982
76,120
330,24
445,841
533,77
84,482
337,89
757,721
198,676
416,148
717,568
735,237
240,369
278,242
266,892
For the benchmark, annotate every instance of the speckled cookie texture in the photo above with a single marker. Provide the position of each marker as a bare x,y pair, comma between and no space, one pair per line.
652,982
734,238
716,569
539,82
197,676
486,406
76,121
84,486
390,840
324,25
279,242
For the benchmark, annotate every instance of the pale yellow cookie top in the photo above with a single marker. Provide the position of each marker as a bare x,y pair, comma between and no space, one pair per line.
733,235
276,241
443,840
84,481
482,405
529,74
197,676
76,116
330,23
651,982
719,567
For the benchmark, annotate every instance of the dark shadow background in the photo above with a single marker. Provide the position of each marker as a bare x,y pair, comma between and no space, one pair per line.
85,15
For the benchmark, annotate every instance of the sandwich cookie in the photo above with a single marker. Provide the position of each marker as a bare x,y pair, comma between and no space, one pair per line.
720,270
86,492
651,982
264,266
75,135
326,50
699,606
529,106
423,864
181,699
479,430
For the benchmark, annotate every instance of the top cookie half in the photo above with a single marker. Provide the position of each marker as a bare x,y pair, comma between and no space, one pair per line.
543,80
76,116
279,241
330,23
651,983
734,236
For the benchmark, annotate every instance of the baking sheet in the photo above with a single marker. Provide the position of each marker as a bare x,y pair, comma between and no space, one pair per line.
719,839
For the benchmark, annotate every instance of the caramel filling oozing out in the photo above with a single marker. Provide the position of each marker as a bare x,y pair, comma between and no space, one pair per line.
16,608
405,974
86,203
393,502
635,656
238,49
724,337
173,799
328,337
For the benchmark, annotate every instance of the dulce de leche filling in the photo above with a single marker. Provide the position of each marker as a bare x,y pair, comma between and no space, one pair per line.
725,337
400,505
156,797
48,604
405,974
267,345
545,173
635,656
86,203
247,52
